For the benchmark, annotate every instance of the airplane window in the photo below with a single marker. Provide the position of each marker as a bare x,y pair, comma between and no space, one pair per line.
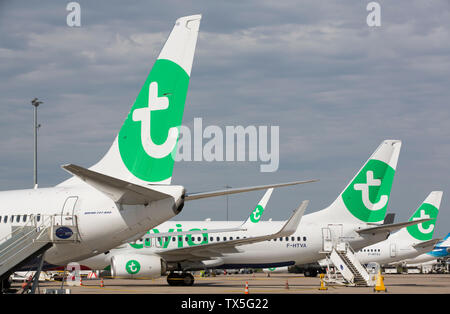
224,238
24,219
5,219
274,239
38,217
174,239
180,238
304,238
237,238
281,239
205,239
0,218
292,238
231,238
186,239
217,238
18,218
12,218
299,239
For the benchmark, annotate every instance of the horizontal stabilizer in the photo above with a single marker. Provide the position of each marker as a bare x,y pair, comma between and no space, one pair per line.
120,191
256,215
391,227
429,243
195,196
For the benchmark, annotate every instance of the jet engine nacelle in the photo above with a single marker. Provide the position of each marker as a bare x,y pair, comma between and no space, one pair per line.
137,265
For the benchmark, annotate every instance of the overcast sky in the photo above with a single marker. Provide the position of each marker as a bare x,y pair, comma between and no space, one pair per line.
335,87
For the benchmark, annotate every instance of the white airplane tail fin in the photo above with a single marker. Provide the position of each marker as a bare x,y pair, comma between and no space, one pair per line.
429,209
256,214
143,151
365,198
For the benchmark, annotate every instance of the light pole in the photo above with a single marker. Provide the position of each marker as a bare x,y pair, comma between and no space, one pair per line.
35,104
227,187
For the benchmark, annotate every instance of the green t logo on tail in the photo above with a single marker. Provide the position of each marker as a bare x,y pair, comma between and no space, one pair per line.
367,195
257,214
148,138
424,230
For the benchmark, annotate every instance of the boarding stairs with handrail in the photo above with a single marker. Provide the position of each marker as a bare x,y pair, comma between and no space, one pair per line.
33,239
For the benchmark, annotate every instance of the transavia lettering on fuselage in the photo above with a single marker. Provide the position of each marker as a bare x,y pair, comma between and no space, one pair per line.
163,242
192,240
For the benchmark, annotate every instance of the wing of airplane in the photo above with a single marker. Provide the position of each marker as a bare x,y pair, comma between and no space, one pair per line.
212,250
390,227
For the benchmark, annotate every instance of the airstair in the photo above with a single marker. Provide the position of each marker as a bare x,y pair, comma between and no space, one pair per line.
32,240
342,265
345,262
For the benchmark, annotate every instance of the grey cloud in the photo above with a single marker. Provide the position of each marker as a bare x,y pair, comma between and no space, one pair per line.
335,87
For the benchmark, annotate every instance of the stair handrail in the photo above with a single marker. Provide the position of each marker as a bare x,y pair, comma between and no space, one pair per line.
32,222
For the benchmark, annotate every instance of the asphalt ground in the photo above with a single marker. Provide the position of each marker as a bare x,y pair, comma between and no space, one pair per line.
257,284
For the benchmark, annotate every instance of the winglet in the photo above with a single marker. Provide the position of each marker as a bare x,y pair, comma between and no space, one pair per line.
291,225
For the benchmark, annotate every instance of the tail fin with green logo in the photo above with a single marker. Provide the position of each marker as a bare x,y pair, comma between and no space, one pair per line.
256,214
366,197
143,151
428,209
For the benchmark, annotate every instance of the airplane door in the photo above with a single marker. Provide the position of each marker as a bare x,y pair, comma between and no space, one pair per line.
393,250
336,233
67,211
327,242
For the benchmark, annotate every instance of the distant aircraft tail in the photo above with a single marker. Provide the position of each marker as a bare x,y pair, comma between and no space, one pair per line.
428,209
143,151
445,242
256,214
366,197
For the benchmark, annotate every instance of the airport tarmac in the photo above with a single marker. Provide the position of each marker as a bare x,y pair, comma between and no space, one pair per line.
257,284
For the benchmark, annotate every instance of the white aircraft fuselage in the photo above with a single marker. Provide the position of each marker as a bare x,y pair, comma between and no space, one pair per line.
101,223
302,247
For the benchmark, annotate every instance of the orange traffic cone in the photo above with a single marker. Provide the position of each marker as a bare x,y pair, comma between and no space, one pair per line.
246,287
101,283
81,282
